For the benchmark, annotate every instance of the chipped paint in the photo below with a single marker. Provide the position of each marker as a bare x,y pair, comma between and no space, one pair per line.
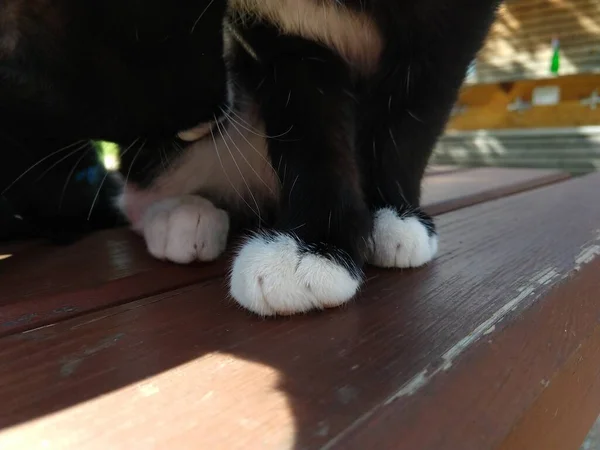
546,276
525,291
542,278
346,394
586,256
489,330
528,290
416,383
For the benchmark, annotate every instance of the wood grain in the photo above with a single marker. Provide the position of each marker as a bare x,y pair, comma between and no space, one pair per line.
535,384
9,248
443,193
451,356
44,283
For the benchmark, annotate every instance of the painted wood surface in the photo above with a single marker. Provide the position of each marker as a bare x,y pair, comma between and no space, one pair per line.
112,267
493,346
447,192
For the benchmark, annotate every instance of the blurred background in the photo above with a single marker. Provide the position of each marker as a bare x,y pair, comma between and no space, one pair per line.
532,96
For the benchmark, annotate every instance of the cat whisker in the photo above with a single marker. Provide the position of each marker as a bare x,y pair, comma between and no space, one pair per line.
69,176
250,144
292,189
71,153
249,129
177,147
200,16
401,192
97,194
231,110
216,147
108,173
45,158
241,173
413,116
164,161
298,227
246,159
134,157
393,138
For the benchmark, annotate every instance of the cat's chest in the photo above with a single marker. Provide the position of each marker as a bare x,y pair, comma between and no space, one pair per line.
229,164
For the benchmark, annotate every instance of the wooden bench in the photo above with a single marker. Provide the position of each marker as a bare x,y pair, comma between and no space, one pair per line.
495,345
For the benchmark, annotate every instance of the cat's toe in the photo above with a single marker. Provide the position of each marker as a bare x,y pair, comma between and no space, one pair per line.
407,240
185,229
274,274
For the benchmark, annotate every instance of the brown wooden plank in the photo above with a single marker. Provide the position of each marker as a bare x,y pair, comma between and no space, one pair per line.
533,385
9,249
45,283
443,193
457,355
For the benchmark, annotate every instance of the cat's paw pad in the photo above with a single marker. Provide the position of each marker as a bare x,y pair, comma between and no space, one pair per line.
274,274
185,229
407,240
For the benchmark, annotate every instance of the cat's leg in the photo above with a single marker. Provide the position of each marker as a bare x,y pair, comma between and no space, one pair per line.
185,229
395,154
402,118
404,110
313,257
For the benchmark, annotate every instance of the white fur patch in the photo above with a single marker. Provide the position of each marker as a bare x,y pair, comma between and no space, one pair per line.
231,165
185,229
353,35
271,276
401,241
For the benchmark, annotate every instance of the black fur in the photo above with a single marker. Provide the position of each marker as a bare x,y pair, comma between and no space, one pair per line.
303,92
126,71
355,144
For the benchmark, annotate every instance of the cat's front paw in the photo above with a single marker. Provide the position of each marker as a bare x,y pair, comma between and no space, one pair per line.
275,274
185,229
402,240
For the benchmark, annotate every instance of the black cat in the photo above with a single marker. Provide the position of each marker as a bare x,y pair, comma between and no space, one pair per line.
72,71
333,110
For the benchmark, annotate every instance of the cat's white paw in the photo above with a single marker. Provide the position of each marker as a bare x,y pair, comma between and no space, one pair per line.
185,229
401,241
273,275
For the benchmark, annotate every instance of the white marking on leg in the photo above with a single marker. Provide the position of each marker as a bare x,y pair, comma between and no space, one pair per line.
185,229
271,276
401,241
